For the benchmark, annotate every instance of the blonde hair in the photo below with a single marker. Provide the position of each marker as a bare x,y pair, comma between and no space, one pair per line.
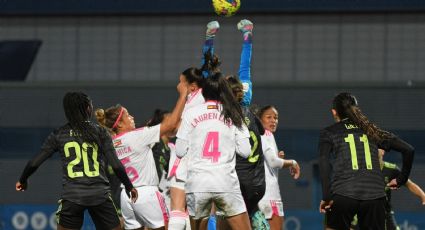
108,117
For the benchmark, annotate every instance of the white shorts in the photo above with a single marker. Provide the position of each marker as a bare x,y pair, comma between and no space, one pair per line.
227,203
271,207
148,211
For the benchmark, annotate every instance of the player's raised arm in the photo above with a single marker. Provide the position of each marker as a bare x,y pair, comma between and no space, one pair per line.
170,123
208,48
246,26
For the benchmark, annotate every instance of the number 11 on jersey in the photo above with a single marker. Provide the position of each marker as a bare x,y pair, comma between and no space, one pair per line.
350,140
210,149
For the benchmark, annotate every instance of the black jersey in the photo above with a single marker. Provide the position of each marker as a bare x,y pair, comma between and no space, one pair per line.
356,171
390,171
161,156
84,165
355,165
251,170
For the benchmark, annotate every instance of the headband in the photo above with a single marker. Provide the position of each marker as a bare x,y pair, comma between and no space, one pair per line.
118,118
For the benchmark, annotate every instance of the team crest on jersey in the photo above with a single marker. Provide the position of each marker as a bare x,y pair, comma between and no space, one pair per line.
212,107
117,143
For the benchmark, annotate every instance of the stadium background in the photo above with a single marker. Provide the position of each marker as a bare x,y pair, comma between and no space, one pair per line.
131,52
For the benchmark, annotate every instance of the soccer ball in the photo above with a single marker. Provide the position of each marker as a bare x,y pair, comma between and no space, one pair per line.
226,8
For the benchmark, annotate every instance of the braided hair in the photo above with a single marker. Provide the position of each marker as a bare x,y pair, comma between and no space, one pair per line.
78,109
346,106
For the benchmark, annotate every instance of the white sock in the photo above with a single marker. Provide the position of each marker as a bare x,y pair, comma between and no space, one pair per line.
177,220
187,222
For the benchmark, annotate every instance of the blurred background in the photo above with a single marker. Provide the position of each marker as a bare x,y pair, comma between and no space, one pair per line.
132,52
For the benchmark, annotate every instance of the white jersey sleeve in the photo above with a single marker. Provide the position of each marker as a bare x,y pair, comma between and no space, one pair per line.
243,147
271,173
147,135
273,160
193,99
185,128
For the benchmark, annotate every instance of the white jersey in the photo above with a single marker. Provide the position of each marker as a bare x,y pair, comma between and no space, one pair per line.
193,99
272,185
178,166
135,153
212,147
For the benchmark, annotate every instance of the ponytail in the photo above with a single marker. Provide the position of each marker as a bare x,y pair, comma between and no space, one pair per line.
346,106
217,88
211,64
107,118
236,86
371,130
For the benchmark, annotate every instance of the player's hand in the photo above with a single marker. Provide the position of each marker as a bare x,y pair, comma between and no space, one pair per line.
21,187
325,206
245,26
134,195
393,184
212,28
281,154
295,170
183,88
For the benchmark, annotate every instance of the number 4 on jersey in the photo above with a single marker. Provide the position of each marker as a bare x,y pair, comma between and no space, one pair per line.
210,149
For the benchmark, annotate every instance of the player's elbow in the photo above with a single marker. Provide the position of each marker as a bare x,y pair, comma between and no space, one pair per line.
182,147
169,126
243,148
244,151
